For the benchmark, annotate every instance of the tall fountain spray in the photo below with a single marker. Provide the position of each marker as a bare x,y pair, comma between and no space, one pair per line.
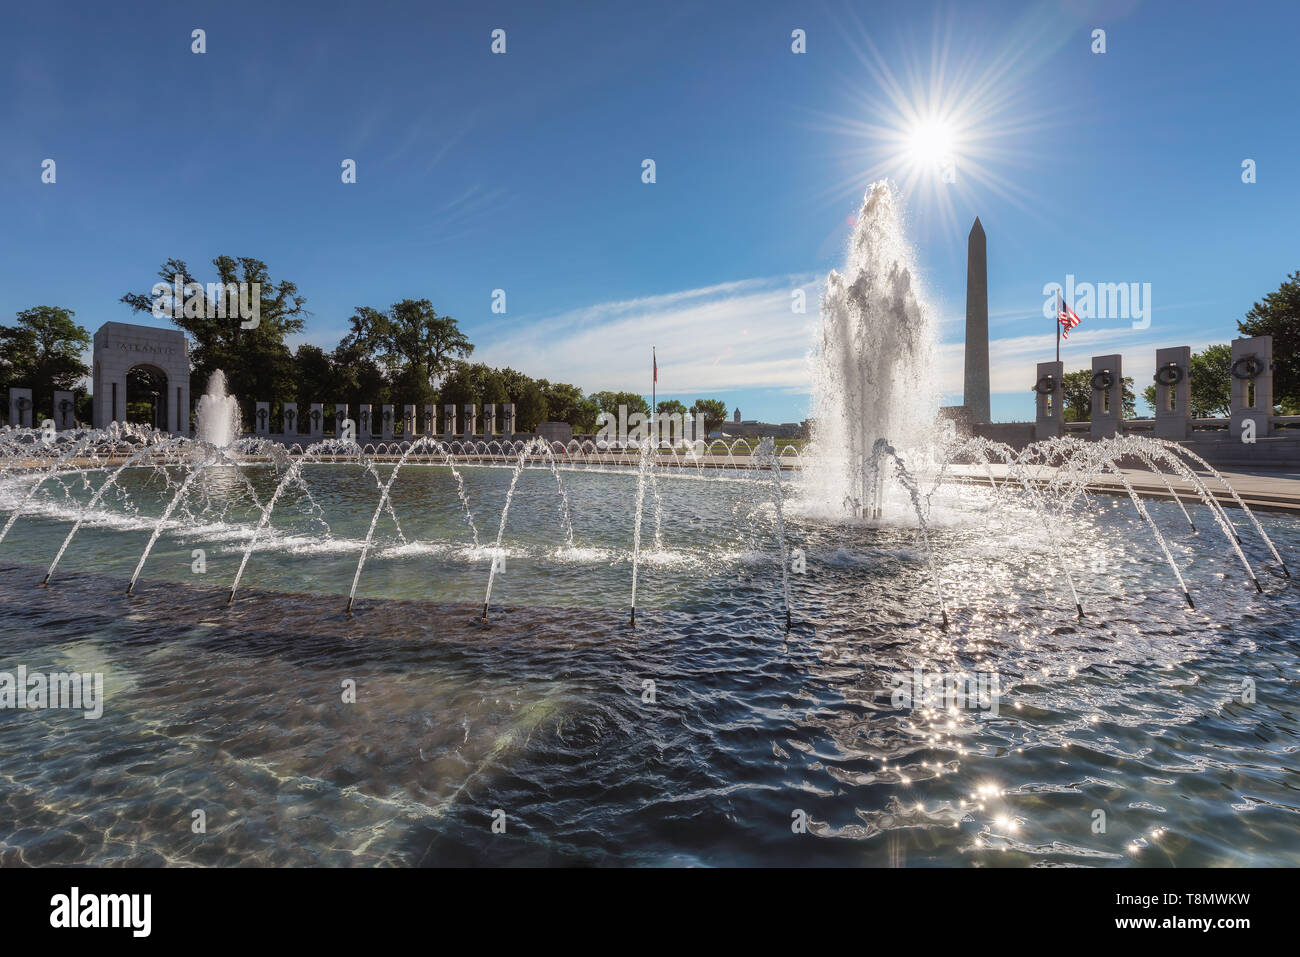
873,368
218,415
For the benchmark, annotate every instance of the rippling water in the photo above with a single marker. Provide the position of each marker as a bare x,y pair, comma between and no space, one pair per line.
544,713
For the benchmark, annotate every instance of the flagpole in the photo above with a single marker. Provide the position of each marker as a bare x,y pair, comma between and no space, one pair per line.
654,382
1060,303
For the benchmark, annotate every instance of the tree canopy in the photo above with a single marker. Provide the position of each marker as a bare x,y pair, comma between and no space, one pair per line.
256,360
1278,315
43,353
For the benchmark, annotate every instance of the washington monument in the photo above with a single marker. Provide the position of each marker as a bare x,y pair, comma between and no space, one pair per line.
975,386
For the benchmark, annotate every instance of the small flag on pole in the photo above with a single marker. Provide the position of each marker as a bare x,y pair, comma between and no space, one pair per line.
654,359
1065,315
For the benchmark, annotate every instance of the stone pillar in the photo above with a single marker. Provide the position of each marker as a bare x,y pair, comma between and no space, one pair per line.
316,420
1252,385
291,423
508,420
365,423
20,408
449,421
388,422
340,417
489,419
1049,389
1107,396
262,419
408,422
975,386
1173,392
471,421
65,410
430,426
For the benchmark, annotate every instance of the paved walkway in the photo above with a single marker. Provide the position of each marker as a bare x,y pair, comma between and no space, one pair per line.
1269,491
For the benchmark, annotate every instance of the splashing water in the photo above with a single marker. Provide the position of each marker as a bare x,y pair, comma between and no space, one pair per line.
218,413
872,368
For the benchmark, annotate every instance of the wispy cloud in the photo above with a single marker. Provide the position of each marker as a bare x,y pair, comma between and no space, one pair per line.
735,335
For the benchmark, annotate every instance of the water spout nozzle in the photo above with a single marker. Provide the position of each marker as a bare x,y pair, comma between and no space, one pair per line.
632,621
1079,608
348,611
1190,604
45,581
1258,587
485,613
788,626
944,612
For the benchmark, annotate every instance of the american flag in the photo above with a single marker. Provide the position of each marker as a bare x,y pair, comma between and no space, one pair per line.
1065,316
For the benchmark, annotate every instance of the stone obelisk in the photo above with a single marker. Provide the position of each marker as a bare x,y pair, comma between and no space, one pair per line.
975,387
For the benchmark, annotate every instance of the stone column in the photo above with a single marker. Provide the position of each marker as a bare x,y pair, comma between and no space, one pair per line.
1049,389
1173,392
408,422
316,420
340,417
1107,396
1252,385
388,423
489,419
471,421
182,395
365,423
20,408
291,423
262,419
975,386
449,421
508,420
65,410
430,426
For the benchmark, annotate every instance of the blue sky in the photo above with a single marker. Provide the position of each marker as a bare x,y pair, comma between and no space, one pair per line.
523,171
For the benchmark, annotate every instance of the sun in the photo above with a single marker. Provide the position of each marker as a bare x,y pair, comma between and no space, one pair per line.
931,143
945,122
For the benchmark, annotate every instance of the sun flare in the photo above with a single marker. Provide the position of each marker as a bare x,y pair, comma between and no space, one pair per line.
931,143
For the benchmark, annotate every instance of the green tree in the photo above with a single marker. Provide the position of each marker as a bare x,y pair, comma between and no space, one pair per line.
566,403
257,362
43,353
415,344
473,382
1078,396
358,378
1278,315
715,413
1210,383
530,402
610,401
671,407
315,379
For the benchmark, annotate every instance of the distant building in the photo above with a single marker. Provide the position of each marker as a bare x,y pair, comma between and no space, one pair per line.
736,417
753,429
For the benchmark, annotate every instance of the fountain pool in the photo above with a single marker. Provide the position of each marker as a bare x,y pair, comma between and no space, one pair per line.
348,655
544,710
